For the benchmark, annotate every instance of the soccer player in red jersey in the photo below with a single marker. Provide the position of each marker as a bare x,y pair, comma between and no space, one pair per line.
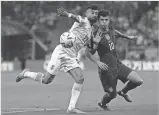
103,41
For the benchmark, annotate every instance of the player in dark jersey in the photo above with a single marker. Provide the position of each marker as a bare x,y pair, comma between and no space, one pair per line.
104,43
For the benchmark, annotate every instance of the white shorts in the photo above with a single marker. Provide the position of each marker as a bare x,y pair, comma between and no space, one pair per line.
60,60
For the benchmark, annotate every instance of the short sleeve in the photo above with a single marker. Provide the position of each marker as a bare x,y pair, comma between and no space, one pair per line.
81,19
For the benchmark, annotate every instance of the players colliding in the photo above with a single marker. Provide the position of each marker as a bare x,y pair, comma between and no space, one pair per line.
68,40
64,56
72,44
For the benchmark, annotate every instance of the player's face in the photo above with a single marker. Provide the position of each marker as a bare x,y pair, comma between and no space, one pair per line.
104,21
92,15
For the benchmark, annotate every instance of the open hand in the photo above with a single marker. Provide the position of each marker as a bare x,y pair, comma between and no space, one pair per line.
102,65
62,12
132,37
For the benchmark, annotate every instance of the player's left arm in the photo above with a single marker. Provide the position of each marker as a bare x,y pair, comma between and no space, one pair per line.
63,12
124,36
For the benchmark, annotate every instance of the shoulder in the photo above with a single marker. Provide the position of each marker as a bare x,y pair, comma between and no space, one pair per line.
95,27
82,19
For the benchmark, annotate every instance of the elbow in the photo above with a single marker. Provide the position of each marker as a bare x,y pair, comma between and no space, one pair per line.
93,52
87,53
90,51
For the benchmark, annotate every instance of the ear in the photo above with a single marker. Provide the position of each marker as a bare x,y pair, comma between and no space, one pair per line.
86,13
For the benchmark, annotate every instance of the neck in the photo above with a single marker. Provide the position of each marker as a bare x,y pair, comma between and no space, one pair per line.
91,23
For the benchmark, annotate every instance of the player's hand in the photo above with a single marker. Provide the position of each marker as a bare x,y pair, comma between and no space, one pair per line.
102,65
132,37
100,34
62,12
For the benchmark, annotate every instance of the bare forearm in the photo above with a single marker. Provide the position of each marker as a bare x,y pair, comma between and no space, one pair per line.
63,12
74,17
121,34
92,57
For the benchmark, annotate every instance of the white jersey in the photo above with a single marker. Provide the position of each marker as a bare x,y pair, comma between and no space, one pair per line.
82,31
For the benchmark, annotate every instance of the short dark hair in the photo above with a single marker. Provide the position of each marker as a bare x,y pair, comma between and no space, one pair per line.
93,7
103,13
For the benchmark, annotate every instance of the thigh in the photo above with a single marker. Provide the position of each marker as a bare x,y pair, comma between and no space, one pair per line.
69,63
123,73
54,64
108,80
77,74
134,77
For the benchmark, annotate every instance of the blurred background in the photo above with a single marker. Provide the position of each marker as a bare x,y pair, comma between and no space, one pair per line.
30,30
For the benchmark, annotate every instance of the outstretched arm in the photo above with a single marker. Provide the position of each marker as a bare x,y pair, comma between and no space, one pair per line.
63,12
124,36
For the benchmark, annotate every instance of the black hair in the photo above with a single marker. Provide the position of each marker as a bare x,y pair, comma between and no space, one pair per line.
93,7
103,13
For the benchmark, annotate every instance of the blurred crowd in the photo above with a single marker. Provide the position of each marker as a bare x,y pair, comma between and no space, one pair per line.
131,18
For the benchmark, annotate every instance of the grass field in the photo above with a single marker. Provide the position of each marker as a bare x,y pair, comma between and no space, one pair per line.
32,98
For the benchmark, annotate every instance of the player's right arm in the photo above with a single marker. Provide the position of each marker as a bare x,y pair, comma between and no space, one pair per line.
63,12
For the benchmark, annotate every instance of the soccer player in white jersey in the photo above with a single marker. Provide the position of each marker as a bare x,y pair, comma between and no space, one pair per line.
64,57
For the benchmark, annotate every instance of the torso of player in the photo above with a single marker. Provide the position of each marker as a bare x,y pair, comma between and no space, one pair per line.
106,44
82,31
106,49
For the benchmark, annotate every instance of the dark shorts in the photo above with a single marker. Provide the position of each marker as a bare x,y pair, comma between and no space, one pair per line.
111,61
123,72
109,79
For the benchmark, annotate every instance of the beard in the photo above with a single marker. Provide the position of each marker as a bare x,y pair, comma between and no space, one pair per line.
93,20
